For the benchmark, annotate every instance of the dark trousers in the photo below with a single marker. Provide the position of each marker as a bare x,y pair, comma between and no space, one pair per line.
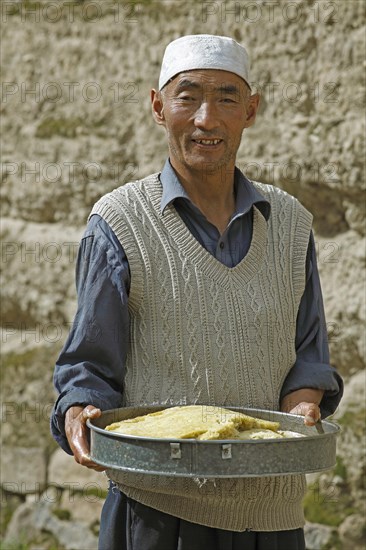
129,525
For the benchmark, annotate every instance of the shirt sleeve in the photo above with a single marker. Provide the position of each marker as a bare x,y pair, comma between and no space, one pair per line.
90,367
312,368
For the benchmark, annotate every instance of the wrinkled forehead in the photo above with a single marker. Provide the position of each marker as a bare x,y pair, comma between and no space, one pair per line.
208,81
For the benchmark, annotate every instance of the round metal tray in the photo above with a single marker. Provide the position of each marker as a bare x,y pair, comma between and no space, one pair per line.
213,459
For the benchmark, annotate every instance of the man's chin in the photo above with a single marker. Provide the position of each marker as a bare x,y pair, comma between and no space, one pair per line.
203,163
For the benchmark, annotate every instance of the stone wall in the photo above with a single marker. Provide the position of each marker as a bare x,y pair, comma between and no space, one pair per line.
76,123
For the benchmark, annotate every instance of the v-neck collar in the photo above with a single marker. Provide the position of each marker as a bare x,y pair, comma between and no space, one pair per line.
189,247
246,194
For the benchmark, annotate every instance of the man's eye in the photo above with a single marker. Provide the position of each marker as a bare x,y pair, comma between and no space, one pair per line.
228,100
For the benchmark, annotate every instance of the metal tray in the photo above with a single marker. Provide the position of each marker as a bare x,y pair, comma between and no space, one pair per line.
214,459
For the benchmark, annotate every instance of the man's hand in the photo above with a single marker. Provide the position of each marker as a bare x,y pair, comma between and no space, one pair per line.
77,434
304,402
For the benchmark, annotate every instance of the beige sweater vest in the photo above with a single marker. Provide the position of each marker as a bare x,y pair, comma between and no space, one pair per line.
203,333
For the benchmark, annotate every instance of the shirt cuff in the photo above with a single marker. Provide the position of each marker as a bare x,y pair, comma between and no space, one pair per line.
317,376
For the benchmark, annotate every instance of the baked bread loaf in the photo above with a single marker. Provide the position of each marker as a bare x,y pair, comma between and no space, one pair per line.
197,422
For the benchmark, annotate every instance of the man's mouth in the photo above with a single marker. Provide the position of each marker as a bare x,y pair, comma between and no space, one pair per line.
207,141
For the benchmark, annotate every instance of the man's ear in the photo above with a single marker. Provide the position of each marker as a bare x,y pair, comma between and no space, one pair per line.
252,109
157,107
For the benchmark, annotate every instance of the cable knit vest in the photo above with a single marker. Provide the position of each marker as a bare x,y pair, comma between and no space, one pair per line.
203,333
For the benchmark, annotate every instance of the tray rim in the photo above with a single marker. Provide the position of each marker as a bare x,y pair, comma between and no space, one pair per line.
115,435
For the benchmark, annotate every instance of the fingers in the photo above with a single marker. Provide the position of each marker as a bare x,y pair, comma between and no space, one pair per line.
310,412
90,412
85,460
312,416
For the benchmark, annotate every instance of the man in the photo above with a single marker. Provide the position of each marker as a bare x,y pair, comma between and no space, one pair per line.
202,287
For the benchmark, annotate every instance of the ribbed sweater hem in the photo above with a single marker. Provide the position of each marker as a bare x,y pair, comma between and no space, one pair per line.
257,515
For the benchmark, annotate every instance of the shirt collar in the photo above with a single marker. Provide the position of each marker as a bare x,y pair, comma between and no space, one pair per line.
246,194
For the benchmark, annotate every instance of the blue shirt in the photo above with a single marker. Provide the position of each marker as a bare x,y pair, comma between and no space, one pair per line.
90,369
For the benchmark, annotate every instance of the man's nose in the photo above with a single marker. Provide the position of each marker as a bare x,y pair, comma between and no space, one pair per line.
206,116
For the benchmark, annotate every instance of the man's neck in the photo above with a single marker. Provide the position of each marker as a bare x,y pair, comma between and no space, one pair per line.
212,192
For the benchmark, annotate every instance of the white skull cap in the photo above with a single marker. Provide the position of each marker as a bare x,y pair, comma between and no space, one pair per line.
204,51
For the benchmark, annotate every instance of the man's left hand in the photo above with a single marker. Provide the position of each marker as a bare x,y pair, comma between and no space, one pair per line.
304,402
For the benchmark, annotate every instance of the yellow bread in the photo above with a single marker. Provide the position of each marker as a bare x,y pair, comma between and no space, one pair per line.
193,422
266,434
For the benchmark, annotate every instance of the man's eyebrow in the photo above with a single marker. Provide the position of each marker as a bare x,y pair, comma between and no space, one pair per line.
228,89
187,84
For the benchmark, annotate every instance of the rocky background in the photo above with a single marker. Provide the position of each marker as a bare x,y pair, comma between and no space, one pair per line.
76,123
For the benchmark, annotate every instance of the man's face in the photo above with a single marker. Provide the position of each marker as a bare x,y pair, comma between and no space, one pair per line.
204,113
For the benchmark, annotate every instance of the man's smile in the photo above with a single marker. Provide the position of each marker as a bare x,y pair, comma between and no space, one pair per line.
207,142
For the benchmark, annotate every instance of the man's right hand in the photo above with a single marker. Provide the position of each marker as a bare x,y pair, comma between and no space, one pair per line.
77,434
